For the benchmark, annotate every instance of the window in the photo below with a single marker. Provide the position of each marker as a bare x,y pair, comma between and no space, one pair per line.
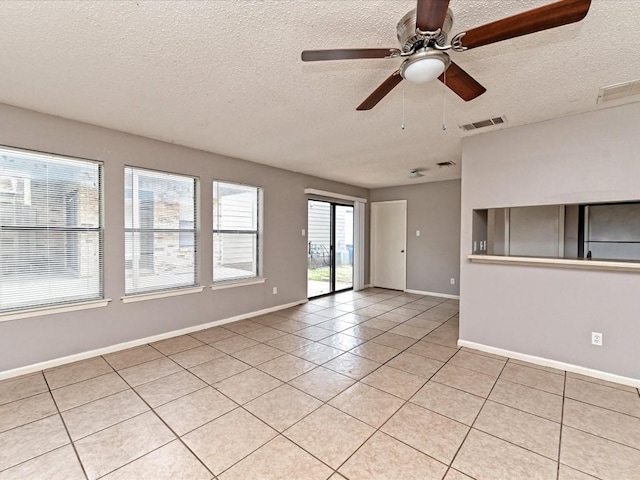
160,231
594,231
50,230
236,232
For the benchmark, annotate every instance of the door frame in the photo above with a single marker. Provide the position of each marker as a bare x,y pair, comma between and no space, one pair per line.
334,272
372,237
332,246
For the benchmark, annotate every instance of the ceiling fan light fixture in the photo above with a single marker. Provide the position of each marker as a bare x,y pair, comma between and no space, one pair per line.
424,66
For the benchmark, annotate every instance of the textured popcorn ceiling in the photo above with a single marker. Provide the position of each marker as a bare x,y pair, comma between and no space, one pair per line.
226,77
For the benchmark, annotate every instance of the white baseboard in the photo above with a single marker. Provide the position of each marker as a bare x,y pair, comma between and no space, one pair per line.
433,294
36,367
545,362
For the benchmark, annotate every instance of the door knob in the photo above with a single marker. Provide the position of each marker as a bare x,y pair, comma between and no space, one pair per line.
401,251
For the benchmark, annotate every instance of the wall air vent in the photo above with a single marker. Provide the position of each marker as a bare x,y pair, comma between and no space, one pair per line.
484,123
619,90
448,163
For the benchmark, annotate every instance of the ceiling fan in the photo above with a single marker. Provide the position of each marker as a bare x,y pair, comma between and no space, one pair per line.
423,33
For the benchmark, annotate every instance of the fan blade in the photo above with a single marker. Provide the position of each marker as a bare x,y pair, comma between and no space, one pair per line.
380,92
542,18
348,54
430,14
462,84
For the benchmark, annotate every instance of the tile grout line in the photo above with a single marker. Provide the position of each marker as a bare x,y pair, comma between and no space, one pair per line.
376,430
79,381
505,404
305,416
534,452
584,431
529,386
85,380
603,408
184,369
237,406
278,433
39,456
96,400
150,381
524,411
609,440
564,388
177,437
356,382
379,429
30,422
123,368
130,387
241,406
28,396
66,429
350,350
593,381
167,356
475,419
543,418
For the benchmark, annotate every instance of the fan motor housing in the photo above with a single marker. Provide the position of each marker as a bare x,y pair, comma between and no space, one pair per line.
408,37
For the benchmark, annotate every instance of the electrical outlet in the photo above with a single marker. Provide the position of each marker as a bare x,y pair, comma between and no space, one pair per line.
417,233
275,290
453,281
596,339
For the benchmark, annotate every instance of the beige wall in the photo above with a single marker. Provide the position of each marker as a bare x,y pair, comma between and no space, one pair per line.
548,312
433,258
32,340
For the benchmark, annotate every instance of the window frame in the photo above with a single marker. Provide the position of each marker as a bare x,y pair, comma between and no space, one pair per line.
53,306
258,232
153,292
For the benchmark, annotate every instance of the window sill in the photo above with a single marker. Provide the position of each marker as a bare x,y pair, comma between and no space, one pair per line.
141,297
237,283
581,264
70,307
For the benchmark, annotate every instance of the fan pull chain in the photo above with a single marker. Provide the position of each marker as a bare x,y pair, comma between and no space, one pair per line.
402,108
444,101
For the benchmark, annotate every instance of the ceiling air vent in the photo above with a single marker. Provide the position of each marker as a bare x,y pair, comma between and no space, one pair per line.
448,163
483,123
619,90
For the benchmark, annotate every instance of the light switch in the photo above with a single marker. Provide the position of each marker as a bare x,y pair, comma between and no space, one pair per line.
417,233
304,232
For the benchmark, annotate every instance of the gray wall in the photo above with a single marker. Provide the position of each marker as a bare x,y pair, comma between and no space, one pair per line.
433,258
28,341
549,312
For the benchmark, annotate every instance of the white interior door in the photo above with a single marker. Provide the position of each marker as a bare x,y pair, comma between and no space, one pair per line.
388,244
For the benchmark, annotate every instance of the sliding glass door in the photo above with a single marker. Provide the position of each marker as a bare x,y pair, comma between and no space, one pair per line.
343,241
329,248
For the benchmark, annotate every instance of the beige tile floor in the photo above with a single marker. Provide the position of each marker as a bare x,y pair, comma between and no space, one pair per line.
361,386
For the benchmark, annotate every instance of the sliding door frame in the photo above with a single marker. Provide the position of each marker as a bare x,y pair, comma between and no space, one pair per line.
332,246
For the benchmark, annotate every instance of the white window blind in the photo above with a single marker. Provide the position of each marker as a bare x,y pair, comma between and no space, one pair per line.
50,230
161,241
236,231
